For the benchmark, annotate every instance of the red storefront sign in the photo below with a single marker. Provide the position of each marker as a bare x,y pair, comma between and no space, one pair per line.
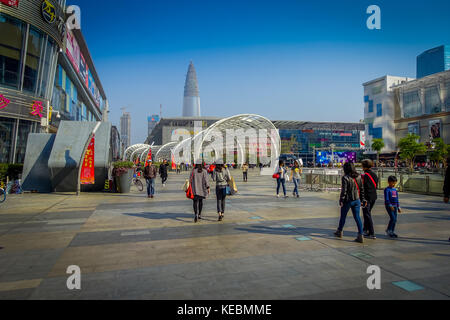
88,168
37,109
11,3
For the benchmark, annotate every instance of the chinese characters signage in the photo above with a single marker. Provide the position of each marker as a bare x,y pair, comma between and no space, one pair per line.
48,11
10,3
87,170
3,102
37,109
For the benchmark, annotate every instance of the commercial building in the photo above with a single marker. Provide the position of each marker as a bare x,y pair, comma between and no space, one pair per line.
46,74
191,101
423,108
433,61
397,106
125,130
379,112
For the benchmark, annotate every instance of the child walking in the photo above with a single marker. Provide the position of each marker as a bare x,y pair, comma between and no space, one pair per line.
392,206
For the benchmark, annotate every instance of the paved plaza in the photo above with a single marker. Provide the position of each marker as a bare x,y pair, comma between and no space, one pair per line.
132,247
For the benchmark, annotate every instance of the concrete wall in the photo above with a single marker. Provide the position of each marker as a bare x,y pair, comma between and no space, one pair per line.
66,155
36,173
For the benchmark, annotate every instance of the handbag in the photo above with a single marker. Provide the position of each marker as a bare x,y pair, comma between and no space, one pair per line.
232,186
276,176
186,185
189,192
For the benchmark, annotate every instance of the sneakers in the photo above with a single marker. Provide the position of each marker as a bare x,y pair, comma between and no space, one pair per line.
338,234
360,238
370,236
393,235
278,195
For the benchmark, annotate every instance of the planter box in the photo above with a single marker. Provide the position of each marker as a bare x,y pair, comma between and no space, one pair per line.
124,182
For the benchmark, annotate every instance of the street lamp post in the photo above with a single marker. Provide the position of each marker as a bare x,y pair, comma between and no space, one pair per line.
332,154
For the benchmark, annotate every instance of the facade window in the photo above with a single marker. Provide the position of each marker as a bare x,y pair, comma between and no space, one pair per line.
49,53
7,127
377,133
447,99
25,128
379,110
412,107
11,42
432,100
34,48
366,98
370,106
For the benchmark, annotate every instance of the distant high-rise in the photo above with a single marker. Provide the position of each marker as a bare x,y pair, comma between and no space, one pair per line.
433,61
152,122
191,102
125,130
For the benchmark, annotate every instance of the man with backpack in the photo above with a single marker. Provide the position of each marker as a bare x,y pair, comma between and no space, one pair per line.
370,181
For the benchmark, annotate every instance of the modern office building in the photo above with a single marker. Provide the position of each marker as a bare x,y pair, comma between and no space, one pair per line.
46,74
433,61
423,108
125,130
191,102
379,112
152,122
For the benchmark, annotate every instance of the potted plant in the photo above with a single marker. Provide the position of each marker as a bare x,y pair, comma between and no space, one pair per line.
123,175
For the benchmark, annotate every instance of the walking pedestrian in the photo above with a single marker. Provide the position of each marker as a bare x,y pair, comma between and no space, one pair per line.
200,187
245,172
221,176
163,172
281,180
392,205
370,181
352,195
150,176
296,176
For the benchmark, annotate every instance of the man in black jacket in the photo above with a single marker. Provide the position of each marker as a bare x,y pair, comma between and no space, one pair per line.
163,169
370,180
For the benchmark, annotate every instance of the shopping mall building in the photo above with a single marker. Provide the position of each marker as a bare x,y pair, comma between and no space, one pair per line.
46,74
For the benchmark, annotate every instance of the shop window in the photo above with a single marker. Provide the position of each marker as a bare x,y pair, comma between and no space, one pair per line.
6,133
12,33
25,128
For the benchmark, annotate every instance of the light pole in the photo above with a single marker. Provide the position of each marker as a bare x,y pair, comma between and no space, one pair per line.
332,154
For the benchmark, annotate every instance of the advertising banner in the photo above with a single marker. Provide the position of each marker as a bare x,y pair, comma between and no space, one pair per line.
84,69
362,140
435,129
149,157
10,3
73,51
88,168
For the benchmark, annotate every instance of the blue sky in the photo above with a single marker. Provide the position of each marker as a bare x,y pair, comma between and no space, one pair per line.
299,60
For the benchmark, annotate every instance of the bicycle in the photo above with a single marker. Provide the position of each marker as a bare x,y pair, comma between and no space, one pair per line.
2,195
138,183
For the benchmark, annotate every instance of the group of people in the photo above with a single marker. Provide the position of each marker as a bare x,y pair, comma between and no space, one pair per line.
281,174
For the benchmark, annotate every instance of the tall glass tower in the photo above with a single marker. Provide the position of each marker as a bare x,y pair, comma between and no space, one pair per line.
191,103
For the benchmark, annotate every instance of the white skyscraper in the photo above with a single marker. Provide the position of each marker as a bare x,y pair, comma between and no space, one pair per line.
191,103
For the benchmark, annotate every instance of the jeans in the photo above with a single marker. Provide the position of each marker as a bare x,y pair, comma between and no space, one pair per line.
296,184
245,174
283,183
393,215
198,205
367,214
221,195
163,179
150,186
355,206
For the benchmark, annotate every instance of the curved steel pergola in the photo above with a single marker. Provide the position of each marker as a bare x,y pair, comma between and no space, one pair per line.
243,121
165,152
130,150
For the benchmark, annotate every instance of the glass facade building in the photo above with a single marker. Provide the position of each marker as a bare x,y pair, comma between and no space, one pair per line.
433,61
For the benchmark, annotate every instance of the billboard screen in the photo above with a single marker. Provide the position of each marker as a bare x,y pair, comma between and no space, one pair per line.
324,157
435,129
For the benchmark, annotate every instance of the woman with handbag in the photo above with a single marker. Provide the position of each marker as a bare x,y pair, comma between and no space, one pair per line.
280,175
222,177
200,189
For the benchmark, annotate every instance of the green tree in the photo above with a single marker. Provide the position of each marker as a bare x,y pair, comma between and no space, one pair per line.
378,145
439,152
410,148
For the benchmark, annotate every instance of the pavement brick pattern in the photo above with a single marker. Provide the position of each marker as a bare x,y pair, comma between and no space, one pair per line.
132,247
